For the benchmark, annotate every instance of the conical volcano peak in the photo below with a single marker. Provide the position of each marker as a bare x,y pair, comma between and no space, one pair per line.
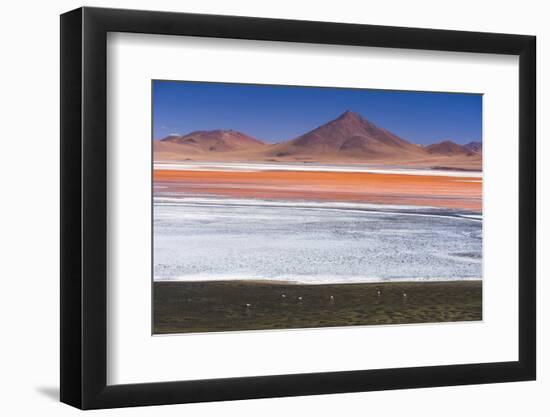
348,114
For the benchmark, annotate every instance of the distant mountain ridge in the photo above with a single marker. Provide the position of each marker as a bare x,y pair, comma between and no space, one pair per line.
349,137
448,147
215,140
475,146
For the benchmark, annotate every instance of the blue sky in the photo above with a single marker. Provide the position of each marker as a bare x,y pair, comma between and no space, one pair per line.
278,113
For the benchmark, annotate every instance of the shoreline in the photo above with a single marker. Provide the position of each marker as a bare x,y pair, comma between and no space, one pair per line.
253,166
214,306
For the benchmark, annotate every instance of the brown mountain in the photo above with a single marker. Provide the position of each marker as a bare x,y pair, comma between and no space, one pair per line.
206,141
476,147
347,137
449,148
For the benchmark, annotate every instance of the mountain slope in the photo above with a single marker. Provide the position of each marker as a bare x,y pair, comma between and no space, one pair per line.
204,141
475,146
448,148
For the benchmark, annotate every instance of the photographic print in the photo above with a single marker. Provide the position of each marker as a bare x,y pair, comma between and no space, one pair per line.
280,207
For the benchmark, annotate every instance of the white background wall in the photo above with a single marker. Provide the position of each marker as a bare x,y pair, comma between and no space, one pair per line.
29,298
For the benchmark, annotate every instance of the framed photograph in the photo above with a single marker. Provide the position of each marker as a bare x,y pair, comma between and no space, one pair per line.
258,208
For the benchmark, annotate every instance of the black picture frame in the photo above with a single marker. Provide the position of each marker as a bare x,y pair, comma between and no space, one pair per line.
84,207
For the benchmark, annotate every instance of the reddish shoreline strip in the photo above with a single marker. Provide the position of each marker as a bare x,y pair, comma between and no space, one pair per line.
424,190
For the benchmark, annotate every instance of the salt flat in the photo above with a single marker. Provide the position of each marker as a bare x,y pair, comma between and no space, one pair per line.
198,237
